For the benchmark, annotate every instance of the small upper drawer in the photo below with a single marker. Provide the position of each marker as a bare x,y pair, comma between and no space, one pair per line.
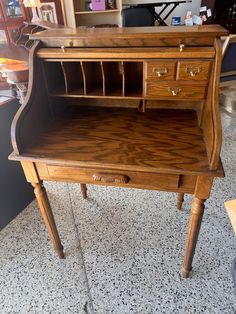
160,70
193,70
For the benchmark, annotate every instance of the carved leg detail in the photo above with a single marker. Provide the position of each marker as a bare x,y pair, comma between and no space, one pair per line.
46,212
83,190
193,231
179,200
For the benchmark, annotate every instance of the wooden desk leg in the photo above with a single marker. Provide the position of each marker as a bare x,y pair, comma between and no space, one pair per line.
83,190
197,211
48,218
179,200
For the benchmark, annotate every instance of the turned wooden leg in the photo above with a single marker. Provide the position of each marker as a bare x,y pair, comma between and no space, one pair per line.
48,218
179,200
83,190
197,211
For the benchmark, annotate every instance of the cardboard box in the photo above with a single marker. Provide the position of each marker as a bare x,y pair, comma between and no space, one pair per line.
98,5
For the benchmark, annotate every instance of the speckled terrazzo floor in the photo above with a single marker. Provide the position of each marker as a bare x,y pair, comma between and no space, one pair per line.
124,250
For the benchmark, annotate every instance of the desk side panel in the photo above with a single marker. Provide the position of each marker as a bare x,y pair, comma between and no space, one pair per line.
35,112
211,123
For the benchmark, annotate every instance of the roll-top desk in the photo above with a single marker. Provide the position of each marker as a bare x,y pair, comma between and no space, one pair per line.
129,107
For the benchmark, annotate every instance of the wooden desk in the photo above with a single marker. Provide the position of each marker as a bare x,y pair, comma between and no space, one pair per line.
16,73
135,107
27,28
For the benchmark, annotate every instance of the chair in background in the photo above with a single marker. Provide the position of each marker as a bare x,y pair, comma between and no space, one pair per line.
136,16
228,71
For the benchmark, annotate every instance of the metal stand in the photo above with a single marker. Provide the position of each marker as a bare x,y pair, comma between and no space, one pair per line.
157,16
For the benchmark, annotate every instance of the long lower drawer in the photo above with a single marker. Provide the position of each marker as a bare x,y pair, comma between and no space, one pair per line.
132,179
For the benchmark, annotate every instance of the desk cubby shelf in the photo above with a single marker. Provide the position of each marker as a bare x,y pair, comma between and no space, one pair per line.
95,78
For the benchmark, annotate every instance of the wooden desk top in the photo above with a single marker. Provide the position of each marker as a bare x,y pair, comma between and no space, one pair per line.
158,140
131,36
15,71
158,32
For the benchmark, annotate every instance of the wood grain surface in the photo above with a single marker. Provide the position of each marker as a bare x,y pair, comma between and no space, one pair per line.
169,139
131,36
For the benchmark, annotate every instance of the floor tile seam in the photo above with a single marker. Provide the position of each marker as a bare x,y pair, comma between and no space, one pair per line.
78,236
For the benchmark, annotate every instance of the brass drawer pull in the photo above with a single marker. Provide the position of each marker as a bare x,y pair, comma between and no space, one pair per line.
193,71
174,91
181,47
110,177
63,48
160,72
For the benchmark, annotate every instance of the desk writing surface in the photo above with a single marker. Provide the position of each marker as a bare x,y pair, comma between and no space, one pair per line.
165,139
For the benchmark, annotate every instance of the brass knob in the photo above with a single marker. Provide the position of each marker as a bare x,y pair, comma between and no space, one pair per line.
160,72
63,48
181,47
193,71
174,91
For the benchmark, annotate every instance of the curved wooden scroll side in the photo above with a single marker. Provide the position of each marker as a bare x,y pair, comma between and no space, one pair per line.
35,111
210,122
217,142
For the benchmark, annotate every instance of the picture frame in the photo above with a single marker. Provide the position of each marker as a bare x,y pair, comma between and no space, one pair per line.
52,11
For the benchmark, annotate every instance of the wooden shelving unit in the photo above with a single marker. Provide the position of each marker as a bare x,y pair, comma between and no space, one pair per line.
11,18
82,17
95,78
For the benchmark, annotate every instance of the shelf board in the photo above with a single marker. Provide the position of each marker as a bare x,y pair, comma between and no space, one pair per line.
94,95
78,93
164,140
96,12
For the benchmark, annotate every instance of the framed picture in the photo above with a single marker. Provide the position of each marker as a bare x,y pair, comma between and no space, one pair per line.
52,11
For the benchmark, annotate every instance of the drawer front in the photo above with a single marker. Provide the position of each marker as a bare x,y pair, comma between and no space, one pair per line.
160,70
110,177
175,90
122,40
194,70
